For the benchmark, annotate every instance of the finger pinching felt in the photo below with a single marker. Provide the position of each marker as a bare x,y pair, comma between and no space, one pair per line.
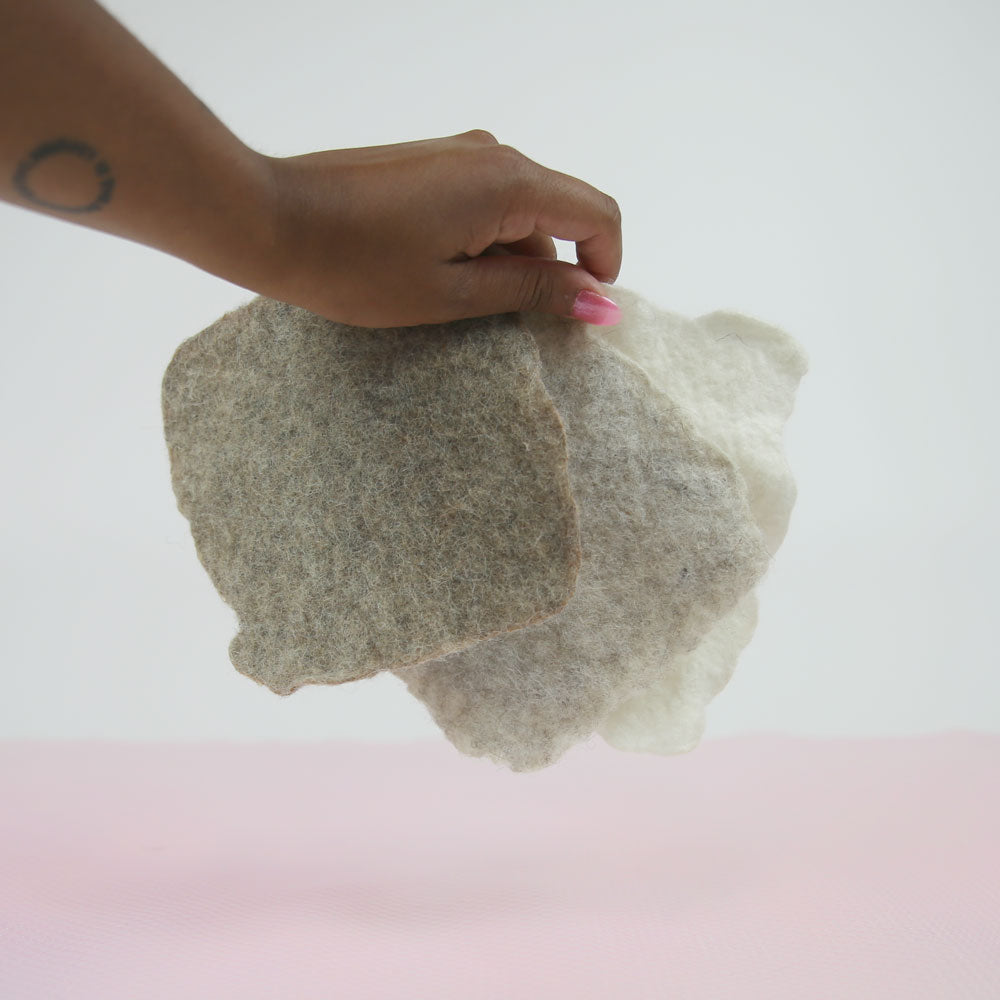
369,499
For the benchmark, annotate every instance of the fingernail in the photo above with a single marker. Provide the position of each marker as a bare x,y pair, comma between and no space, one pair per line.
595,309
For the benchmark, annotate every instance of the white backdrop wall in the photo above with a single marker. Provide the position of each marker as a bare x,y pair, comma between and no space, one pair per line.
828,168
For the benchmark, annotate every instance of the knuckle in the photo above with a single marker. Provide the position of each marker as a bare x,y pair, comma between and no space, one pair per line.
535,289
482,135
511,169
611,206
508,154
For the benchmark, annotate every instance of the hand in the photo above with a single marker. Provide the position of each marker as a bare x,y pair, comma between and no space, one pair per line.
433,231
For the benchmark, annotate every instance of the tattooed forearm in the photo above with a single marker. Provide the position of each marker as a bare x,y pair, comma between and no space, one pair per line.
96,131
28,178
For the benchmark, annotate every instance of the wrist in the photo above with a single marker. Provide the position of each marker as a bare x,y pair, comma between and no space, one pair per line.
240,244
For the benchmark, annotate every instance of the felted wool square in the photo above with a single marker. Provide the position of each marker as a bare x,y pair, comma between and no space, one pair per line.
367,499
636,530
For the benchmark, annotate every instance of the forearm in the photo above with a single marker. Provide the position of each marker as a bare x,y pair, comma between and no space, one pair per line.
94,129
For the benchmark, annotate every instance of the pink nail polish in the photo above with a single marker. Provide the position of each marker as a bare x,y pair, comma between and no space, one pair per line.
595,309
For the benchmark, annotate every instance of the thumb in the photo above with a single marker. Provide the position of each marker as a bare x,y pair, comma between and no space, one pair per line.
517,283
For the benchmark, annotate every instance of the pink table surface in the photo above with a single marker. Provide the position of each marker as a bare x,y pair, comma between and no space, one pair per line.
761,866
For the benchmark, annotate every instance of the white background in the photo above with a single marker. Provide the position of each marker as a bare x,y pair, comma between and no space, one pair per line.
828,168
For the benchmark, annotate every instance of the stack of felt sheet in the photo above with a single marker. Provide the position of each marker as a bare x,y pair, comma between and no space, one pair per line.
545,529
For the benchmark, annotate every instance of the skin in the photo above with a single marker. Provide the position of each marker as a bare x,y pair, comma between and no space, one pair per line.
95,130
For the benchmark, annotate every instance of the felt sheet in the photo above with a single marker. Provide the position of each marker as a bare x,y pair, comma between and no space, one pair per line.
669,546
365,499
757,868
545,529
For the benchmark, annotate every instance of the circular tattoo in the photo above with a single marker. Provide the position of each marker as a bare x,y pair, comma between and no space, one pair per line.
55,147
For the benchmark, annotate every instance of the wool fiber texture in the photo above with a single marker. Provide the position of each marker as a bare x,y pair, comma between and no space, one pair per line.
544,529
735,378
368,499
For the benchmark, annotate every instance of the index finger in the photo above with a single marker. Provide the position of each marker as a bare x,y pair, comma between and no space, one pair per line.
570,209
